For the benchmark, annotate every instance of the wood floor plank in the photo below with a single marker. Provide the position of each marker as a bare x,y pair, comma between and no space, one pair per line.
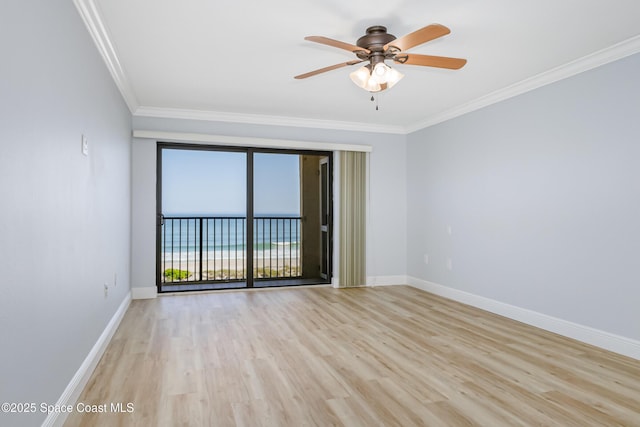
388,356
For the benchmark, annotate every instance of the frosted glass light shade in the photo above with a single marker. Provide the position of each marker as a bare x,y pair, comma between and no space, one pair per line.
362,78
379,73
393,76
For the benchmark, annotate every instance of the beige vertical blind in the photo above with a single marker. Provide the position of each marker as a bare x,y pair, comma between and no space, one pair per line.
352,221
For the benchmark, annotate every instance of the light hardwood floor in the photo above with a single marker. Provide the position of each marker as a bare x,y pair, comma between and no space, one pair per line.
388,356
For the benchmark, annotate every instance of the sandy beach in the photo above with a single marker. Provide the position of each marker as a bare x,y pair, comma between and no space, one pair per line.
229,269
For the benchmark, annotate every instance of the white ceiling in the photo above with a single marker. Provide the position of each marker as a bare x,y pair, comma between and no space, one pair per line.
235,60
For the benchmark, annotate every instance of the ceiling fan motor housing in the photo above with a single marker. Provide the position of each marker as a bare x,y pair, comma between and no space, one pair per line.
374,41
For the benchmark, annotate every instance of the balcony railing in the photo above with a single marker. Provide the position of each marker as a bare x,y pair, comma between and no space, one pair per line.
213,249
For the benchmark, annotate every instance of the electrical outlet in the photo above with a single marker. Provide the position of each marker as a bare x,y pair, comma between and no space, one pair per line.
426,258
449,264
106,289
449,230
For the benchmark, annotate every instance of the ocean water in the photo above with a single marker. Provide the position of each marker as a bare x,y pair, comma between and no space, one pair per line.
225,237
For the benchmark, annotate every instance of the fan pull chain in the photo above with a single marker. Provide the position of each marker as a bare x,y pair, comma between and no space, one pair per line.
376,100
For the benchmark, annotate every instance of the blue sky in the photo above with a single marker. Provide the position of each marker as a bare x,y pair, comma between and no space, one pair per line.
214,182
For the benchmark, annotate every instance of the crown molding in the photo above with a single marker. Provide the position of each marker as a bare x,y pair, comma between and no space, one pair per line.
91,17
259,119
613,53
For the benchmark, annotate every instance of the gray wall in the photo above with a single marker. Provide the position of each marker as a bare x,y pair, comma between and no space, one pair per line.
387,232
64,217
542,194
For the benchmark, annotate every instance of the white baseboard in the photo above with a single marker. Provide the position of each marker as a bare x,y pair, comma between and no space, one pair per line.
80,379
386,280
144,293
608,341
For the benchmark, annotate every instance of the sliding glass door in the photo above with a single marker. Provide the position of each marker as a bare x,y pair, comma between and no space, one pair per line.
234,218
276,209
202,218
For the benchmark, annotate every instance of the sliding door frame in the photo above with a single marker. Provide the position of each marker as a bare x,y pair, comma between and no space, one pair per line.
249,151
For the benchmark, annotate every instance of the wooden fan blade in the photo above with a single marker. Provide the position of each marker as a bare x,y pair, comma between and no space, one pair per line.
430,61
336,43
423,35
325,69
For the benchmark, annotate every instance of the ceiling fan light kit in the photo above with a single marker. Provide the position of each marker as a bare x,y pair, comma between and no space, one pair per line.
382,77
376,46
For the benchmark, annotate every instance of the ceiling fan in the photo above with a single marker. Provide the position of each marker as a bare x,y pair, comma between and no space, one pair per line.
376,46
